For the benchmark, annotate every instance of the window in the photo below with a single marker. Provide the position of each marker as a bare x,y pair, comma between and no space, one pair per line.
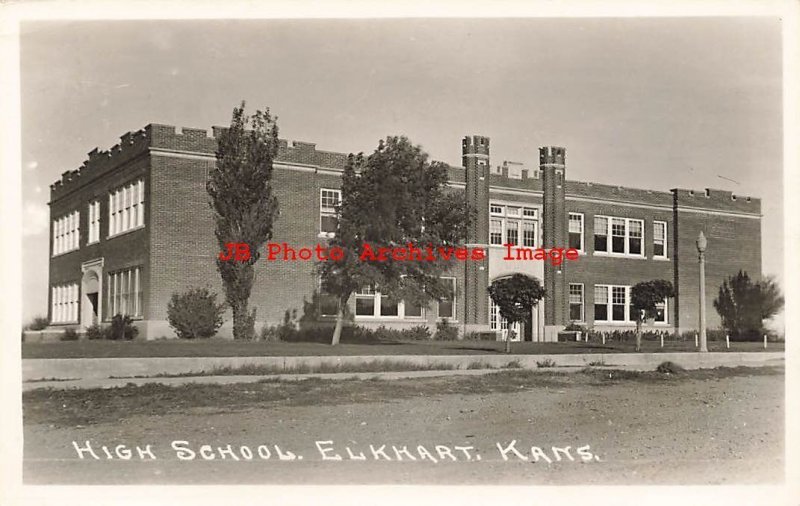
512,232
327,303
329,201
600,233
618,235
576,302
64,303
371,303
618,303
601,303
496,322
447,305
660,239
635,237
576,231
124,291
94,222
125,208
626,235
661,313
520,221
529,234
66,233
496,231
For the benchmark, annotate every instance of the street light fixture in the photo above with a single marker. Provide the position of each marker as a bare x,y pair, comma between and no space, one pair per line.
702,243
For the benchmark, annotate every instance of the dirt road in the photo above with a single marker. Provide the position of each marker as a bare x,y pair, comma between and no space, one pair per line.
692,431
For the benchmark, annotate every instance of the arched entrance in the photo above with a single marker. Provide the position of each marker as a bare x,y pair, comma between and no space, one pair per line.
91,290
529,330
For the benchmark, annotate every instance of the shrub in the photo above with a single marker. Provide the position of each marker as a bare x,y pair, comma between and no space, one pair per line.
445,331
38,323
69,335
669,368
286,331
545,363
481,336
121,328
96,332
417,333
195,313
572,327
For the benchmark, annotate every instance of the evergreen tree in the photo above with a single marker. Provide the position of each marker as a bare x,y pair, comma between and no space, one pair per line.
743,305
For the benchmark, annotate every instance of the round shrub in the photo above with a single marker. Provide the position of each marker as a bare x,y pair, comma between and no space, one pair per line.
195,313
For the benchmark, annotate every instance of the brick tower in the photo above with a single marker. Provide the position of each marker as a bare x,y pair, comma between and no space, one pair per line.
554,235
475,160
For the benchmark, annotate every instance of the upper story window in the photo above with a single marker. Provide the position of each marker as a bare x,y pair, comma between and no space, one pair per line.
576,231
66,233
513,225
660,239
94,222
126,208
625,234
329,201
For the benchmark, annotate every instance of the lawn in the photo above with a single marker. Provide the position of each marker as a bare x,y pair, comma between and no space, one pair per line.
227,348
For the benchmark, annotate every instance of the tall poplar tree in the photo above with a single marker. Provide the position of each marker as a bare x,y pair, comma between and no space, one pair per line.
243,204
390,199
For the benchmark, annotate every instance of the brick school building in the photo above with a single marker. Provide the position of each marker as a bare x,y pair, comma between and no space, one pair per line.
132,226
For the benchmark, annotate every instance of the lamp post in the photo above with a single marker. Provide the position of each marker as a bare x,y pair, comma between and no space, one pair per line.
702,243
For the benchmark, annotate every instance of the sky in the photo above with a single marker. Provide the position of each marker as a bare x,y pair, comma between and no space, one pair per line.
652,103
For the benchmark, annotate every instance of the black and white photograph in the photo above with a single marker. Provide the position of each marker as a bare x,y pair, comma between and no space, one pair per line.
438,249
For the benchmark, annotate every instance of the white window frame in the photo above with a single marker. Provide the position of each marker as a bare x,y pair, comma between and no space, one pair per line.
610,305
94,222
516,214
582,228
626,237
124,294
66,233
377,297
496,322
664,224
64,303
326,211
582,302
665,321
126,208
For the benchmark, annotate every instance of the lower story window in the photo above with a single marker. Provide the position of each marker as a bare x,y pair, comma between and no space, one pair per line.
124,291
496,322
447,305
327,304
576,302
661,312
372,303
613,304
64,303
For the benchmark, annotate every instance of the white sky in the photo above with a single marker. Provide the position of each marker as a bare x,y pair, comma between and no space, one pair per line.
650,103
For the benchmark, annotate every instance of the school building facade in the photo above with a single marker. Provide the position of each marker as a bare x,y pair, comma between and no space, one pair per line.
132,226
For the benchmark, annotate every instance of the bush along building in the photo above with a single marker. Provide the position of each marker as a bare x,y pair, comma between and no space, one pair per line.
132,226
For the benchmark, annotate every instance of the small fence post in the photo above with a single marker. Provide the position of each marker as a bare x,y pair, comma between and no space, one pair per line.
695,340
603,335
662,340
727,341
765,341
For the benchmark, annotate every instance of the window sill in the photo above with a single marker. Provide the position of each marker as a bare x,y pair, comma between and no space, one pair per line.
326,235
65,252
661,259
90,243
130,230
57,324
629,324
618,255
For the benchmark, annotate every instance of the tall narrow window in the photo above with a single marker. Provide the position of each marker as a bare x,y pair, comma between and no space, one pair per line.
496,231
576,302
389,306
64,303
660,239
512,233
124,291
365,302
635,228
447,305
576,231
329,201
618,303
496,322
661,312
66,233
600,233
94,222
601,303
529,234
618,235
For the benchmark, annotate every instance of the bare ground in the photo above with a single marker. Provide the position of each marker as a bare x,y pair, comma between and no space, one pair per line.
700,427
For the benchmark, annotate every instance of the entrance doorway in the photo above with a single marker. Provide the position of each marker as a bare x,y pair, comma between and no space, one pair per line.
91,293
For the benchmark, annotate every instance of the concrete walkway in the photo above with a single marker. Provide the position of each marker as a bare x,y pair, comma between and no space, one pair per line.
111,372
